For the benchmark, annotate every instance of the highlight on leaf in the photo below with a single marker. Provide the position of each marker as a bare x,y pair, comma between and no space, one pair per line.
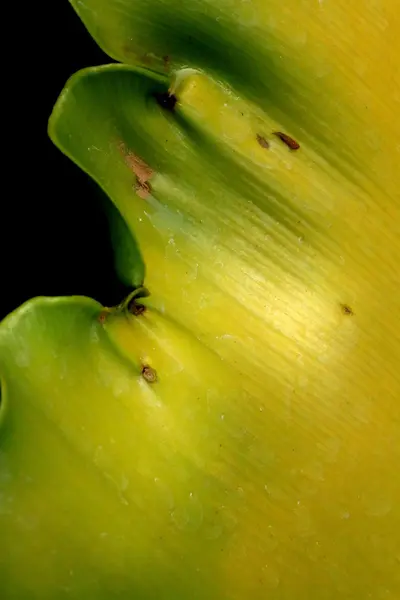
215,426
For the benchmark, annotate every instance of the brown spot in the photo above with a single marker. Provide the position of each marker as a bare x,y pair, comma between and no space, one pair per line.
102,317
136,309
286,139
142,189
149,374
347,310
262,141
167,63
166,100
142,171
129,52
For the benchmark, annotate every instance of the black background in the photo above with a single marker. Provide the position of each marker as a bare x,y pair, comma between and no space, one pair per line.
54,236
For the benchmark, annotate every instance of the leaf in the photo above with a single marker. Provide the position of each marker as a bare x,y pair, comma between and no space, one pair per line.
128,260
277,242
305,63
89,501
255,398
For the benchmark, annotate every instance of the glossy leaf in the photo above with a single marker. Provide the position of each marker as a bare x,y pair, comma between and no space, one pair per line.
327,70
241,435
106,477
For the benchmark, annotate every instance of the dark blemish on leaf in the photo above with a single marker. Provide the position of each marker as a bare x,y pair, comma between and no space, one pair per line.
167,62
286,139
135,308
142,171
166,100
132,305
262,141
149,374
142,188
347,310
102,317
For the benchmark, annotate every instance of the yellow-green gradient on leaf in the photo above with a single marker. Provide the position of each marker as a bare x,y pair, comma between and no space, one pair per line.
235,434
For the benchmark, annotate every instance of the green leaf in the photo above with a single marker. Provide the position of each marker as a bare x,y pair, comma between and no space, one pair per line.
117,485
252,399
330,83
276,241
273,258
128,260
113,485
